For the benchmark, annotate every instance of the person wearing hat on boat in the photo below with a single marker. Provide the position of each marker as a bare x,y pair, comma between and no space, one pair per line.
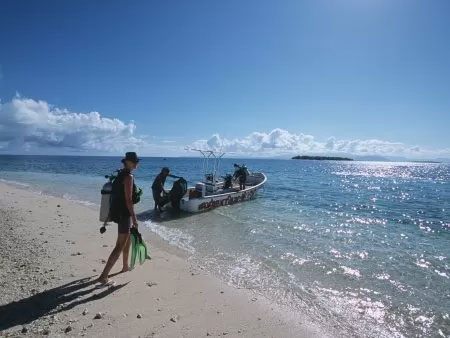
158,188
122,212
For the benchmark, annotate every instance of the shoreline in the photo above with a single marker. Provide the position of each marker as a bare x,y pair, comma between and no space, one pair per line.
173,296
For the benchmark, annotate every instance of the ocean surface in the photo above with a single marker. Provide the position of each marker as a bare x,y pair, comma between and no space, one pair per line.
362,248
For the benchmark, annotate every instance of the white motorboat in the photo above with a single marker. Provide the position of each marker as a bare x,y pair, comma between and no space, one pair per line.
216,191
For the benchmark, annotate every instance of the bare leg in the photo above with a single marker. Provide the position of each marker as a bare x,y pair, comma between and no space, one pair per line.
125,255
113,257
157,209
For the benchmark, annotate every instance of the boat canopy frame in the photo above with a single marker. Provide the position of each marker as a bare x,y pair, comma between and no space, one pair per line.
210,171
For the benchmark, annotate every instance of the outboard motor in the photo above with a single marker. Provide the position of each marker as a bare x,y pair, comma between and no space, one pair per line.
177,192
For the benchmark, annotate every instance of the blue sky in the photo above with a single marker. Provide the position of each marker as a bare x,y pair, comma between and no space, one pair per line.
353,70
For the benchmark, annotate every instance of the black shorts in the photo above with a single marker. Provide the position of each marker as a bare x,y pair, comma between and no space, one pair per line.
124,225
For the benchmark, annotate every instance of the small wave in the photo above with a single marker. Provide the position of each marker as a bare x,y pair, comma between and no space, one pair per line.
245,269
398,285
366,220
376,174
20,184
303,227
383,276
293,259
361,254
173,236
422,263
336,253
424,321
356,304
78,201
386,277
350,271
442,274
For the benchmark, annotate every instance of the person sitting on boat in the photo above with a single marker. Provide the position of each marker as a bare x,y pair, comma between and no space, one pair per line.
241,174
159,194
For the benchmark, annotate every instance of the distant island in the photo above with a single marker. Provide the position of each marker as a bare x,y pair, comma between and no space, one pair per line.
425,161
322,158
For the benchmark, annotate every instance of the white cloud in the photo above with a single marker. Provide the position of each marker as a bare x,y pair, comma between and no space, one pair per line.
282,142
28,124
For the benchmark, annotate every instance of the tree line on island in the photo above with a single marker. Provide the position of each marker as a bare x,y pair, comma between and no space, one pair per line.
322,158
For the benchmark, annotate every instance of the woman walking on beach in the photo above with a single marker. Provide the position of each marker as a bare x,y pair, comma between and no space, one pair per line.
122,212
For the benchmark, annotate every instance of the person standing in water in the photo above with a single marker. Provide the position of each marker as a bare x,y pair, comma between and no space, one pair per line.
158,188
122,212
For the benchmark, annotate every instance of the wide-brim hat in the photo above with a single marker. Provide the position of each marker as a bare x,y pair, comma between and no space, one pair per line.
131,156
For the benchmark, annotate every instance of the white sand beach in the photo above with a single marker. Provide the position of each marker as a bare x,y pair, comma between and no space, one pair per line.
52,251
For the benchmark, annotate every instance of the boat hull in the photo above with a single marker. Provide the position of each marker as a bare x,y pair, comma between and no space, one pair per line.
206,203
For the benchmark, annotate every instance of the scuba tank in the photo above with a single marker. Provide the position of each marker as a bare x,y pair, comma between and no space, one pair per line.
105,203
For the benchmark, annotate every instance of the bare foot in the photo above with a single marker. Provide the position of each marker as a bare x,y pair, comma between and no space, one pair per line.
125,269
102,280
105,283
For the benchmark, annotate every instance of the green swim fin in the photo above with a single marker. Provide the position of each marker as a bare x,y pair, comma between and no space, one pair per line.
147,254
139,249
141,253
134,249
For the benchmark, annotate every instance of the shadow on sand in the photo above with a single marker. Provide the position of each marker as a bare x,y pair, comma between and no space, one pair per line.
59,299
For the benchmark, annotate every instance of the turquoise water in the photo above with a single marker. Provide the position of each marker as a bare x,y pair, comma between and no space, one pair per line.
363,248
